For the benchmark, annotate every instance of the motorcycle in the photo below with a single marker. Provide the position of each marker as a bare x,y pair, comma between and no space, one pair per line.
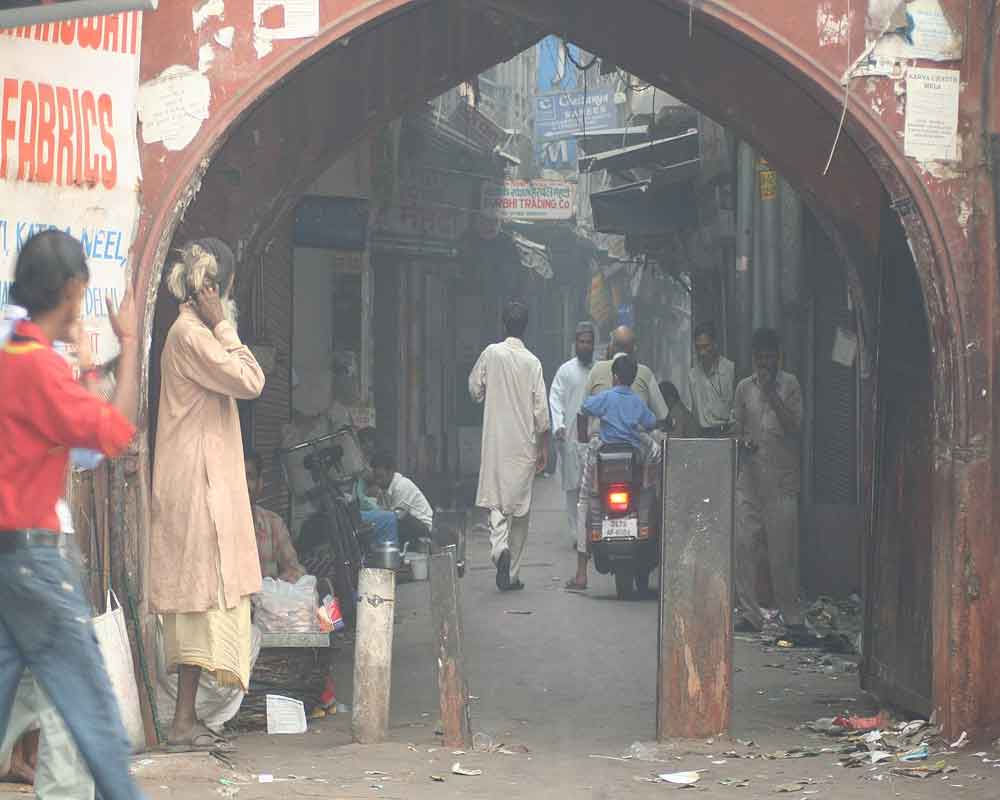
624,539
333,541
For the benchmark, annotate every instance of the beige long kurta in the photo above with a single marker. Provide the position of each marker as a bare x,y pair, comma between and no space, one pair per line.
508,378
203,546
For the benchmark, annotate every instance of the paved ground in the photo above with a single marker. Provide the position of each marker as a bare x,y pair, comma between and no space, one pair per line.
572,680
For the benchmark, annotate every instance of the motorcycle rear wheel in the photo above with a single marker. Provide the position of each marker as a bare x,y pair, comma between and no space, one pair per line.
625,582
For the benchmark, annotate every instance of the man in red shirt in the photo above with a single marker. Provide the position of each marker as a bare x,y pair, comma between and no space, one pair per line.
44,615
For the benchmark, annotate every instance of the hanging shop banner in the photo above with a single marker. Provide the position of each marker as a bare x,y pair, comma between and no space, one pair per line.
14,13
530,200
567,114
68,152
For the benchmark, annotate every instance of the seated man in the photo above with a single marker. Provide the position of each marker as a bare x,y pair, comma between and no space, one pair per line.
401,496
278,558
385,523
623,415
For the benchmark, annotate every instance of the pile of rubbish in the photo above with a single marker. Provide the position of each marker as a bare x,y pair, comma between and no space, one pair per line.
837,625
913,749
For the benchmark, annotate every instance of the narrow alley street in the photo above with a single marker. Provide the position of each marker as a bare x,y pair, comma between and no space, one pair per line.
567,686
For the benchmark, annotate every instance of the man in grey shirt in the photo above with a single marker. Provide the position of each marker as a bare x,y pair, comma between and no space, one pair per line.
712,384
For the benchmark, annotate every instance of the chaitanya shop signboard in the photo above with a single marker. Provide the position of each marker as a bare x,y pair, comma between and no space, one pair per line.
69,158
16,13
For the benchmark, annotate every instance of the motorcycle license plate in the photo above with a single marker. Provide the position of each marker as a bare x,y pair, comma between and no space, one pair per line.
621,528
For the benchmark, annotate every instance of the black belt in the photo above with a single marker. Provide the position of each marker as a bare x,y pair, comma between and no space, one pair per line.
716,430
33,537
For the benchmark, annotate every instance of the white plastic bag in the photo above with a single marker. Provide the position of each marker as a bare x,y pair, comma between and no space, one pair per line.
112,638
284,607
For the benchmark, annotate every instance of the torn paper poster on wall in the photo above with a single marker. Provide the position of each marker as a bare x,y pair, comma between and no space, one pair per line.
931,130
283,19
918,29
173,105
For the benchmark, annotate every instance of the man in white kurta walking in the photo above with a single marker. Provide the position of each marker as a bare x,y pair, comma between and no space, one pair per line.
508,377
565,398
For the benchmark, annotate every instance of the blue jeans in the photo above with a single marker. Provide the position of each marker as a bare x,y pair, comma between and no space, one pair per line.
45,625
386,526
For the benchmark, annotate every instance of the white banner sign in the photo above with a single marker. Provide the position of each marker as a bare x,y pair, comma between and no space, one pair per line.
530,200
68,152
931,129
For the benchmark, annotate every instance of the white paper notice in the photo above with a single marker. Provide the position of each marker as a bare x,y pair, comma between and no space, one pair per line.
931,132
285,714
286,19
173,105
845,347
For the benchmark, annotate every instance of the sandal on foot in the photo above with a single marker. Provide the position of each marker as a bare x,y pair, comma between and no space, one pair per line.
573,586
202,740
503,571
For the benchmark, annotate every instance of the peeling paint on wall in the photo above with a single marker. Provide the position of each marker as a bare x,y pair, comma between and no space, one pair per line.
207,10
224,36
205,58
173,105
964,215
833,27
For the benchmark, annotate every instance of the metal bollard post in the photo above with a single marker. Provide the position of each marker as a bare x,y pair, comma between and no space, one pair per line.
446,612
373,655
695,658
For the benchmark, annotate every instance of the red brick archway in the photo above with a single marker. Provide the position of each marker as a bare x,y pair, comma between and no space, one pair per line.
766,73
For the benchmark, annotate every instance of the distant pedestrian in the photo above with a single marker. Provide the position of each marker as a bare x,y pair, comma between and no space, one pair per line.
769,423
565,398
711,384
44,413
508,379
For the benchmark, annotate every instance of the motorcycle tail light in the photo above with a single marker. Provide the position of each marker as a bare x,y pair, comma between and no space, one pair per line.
618,498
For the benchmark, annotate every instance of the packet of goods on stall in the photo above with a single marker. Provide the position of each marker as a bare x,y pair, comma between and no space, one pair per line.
284,607
329,616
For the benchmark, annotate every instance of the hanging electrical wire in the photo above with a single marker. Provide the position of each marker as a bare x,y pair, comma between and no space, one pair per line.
569,57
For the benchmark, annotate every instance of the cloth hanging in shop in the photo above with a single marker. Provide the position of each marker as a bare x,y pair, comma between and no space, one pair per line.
533,256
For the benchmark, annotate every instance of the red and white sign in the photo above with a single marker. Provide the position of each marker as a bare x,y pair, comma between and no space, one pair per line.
68,152
530,200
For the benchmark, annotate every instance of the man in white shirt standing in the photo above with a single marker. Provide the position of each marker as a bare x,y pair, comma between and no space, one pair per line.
565,398
712,384
768,411
508,379
402,496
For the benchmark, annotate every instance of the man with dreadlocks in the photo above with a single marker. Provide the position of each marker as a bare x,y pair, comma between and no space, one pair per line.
203,545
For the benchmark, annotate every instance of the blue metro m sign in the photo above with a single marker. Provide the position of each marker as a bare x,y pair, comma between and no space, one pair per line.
16,13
